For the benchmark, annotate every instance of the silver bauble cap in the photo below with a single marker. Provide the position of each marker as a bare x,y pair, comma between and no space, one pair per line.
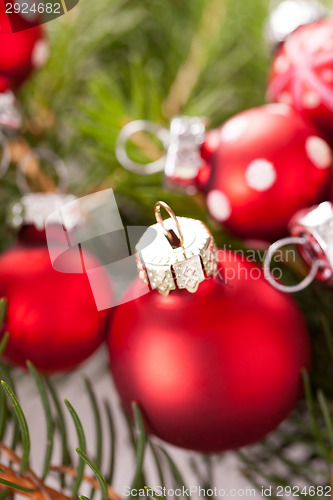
178,252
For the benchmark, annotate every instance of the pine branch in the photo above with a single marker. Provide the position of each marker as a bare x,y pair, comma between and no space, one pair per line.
209,29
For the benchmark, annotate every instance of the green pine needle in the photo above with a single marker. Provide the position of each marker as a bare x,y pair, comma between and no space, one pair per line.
174,470
3,310
101,480
112,441
140,446
316,429
3,414
82,445
48,417
61,426
7,377
326,415
23,427
98,426
153,493
158,464
15,486
4,340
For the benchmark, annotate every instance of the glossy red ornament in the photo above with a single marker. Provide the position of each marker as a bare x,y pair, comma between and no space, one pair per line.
213,370
52,317
261,167
20,52
302,74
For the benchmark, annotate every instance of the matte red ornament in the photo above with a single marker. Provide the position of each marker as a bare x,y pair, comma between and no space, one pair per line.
302,74
52,317
262,166
20,52
214,370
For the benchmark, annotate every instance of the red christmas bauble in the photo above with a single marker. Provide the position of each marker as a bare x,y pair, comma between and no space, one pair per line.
213,370
262,166
20,52
52,317
302,74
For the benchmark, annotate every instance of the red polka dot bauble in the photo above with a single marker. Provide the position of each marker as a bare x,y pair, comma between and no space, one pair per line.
20,52
302,74
262,166
212,370
52,317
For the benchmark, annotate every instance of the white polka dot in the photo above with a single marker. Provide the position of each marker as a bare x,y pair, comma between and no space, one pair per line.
234,129
285,98
310,99
218,205
318,152
279,109
281,64
260,175
40,53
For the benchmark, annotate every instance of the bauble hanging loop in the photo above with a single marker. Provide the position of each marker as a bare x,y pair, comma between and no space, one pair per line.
181,161
168,262
127,132
312,231
268,259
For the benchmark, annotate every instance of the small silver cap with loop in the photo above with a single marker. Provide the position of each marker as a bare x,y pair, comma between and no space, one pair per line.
10,121
312,231
288,15
182,142
35,208
176,253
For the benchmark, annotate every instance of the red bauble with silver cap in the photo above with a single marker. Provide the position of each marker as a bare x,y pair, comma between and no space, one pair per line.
52,316
21,52
302,75
263,165
214,369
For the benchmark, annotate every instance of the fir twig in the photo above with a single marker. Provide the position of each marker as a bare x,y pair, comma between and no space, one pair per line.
212,19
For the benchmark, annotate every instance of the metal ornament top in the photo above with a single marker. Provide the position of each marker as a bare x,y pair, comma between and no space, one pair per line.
315,225
312,230
288,15
10,121
182,142
169,260
10,115
34,207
